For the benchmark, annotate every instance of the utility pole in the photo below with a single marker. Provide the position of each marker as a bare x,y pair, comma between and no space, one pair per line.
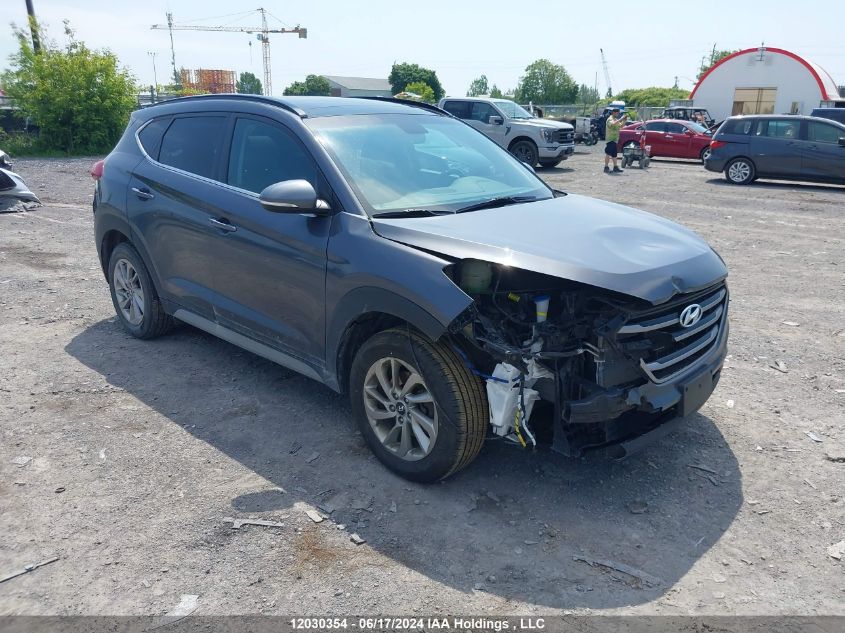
33,27
177,80
155,74
262,35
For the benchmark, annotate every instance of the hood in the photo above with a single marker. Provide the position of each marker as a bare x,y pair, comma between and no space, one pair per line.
557,125
573,237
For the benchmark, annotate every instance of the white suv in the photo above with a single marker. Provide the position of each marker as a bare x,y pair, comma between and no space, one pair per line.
530,139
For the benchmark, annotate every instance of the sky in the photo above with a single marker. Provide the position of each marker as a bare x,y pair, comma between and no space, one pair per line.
646,46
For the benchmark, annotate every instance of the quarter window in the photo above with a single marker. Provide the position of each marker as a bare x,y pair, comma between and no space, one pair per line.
263,154
151,135
193,144
824,133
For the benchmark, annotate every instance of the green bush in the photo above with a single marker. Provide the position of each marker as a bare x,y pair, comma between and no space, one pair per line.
79,98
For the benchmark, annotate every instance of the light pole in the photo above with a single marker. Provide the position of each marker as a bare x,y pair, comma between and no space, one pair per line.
155,75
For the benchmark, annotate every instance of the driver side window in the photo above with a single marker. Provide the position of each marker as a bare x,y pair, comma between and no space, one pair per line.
482,112
263,154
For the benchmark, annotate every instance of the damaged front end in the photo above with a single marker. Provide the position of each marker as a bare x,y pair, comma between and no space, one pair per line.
609,368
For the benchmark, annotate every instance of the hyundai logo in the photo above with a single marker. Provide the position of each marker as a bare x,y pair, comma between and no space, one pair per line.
691,315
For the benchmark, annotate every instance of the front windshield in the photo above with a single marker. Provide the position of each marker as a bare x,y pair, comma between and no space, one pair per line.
513,110
396,162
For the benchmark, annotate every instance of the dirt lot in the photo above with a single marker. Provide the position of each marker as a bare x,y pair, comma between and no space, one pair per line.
137,451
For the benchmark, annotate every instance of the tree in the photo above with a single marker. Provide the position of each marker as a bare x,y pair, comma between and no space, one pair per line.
495,93
249,84
587,95
546,83
313,86
714,58
478,87
403,74
424,91
653,96
79,98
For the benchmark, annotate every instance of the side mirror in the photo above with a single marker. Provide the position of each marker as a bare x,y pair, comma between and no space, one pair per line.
293,196
495,120
842,141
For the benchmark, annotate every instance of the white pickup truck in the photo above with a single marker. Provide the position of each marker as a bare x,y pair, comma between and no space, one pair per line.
530,139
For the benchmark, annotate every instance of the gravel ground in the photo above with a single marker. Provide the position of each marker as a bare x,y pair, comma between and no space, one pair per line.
124,458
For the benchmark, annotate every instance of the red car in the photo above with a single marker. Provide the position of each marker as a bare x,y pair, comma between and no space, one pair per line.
669,137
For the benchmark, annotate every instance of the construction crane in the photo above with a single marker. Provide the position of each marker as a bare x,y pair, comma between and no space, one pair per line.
606,73
262,35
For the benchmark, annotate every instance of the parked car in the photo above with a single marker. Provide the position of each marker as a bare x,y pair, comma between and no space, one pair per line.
689,113
834,114
669,138
390,251
511,126
781,147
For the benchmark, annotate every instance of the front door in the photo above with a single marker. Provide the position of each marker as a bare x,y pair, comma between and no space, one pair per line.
479,118
676,141
270,268
822,156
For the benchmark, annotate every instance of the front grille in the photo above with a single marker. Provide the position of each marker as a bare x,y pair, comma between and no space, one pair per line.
564,136
666,348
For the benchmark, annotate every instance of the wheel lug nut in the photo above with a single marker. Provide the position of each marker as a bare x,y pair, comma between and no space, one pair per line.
392,408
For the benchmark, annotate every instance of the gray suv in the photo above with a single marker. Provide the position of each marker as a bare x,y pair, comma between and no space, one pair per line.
530,139
388,250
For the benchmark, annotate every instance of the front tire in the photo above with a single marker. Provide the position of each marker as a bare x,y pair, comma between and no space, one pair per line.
705,154
549,164
740,171
526,152
134,296
419,409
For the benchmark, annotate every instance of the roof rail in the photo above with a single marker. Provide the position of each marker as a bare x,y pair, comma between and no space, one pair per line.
408,102
233,95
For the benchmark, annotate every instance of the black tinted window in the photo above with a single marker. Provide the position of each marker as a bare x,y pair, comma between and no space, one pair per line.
824,133
193,144
150,136
460,109
780,129
482,112
263,154
655,126
738,126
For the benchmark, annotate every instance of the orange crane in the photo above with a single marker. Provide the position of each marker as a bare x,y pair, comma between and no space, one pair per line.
262,35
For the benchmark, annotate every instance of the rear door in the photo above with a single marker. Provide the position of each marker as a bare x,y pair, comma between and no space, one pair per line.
654,133
822,157
270,268
775,147
170,204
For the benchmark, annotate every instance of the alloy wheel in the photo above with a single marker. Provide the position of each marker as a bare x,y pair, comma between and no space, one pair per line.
400,409
129,292
739,171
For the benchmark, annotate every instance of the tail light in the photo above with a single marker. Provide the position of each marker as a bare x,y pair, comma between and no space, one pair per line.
717,144
96,170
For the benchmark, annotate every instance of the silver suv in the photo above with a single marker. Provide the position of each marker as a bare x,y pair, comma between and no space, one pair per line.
530,139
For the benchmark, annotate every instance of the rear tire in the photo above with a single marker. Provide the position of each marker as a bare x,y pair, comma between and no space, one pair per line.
740,171
134,296
443,411
526,152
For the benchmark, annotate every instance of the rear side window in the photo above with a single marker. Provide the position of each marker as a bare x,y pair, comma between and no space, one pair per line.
151,134
780,129
655,126
824,133
738,126
460,109
263,154
193,144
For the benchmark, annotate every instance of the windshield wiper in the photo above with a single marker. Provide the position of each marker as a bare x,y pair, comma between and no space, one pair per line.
501,201
413,213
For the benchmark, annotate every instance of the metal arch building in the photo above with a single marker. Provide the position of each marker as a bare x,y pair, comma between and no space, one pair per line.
764,81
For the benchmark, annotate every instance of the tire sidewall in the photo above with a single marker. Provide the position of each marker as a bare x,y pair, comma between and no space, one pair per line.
534,153
745,181
124,251
441,459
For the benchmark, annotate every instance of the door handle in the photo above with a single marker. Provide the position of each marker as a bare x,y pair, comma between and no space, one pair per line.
223,225
143,194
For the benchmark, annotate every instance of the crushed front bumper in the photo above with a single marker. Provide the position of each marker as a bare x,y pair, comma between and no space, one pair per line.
631,418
